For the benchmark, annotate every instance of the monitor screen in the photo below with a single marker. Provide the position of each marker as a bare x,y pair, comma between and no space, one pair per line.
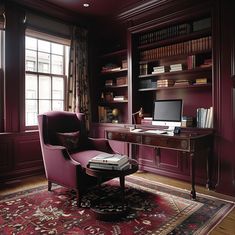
167,112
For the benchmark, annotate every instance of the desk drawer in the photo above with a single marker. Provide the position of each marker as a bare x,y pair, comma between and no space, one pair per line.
127,137
177,144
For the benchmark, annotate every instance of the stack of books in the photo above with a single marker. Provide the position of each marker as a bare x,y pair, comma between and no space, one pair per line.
109,82
165,83
108,161
110,67
176,67
206,63
187,121
160,69
119,98
182,82
201,81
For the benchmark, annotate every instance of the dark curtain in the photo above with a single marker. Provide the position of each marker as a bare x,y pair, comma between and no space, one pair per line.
78,84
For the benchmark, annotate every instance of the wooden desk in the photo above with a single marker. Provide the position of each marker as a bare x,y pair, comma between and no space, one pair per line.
189,142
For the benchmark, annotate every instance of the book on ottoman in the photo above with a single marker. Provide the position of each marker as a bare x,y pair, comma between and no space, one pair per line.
109,161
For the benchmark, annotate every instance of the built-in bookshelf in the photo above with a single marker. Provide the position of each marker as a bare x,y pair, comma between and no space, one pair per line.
113,97
174,62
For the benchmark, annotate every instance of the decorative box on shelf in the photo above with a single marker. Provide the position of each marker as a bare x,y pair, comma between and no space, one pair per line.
121,81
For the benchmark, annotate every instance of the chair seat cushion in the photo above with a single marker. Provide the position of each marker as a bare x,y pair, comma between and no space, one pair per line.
83,157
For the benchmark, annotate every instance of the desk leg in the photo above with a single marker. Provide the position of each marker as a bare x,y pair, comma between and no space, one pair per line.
193,191
208,169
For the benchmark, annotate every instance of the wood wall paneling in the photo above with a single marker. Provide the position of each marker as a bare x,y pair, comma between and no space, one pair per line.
27,151
6,156
20,156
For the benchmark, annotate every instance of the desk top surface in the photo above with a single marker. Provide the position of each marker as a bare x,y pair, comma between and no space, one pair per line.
192,134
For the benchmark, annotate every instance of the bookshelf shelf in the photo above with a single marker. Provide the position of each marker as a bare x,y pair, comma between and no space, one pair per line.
190,72
208,85
113,102
114,54
116,86
113,71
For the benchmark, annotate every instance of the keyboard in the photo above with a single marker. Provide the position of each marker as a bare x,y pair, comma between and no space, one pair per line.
136,130
156,131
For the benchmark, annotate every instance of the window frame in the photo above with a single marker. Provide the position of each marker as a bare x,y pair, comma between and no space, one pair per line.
51,39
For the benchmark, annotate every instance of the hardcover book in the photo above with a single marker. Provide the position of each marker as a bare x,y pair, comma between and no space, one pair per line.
112,159
107,166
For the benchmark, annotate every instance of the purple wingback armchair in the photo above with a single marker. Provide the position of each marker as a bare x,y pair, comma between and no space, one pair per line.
62,166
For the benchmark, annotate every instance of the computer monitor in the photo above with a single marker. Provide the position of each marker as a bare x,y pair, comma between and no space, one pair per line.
167,113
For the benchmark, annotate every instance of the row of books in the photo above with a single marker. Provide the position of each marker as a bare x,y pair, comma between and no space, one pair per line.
162,34
105,114
205,117
108,161
174,31
187,47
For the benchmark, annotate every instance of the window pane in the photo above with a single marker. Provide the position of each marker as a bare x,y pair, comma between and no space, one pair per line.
58,88
58,105
43,62
31,87
67,49
44,106
31,112
31,43
43,46
31,61
57,49
44,87
57,64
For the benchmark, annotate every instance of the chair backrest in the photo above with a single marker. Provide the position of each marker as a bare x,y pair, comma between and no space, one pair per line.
52,122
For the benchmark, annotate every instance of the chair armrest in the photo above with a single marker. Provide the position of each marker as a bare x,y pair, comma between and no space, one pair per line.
57,161
100,144
54,147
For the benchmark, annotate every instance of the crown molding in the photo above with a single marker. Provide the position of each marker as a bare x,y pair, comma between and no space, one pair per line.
141,9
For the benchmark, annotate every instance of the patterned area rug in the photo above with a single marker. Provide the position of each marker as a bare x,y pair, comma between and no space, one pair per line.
151,208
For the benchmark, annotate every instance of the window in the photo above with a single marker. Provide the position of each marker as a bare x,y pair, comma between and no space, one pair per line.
46,63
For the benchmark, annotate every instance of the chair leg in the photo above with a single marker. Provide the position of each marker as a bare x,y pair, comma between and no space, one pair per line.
49,185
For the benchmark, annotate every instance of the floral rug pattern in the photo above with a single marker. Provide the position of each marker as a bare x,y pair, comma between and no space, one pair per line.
152,209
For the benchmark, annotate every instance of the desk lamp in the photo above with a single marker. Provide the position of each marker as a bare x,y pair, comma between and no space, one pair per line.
138,115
